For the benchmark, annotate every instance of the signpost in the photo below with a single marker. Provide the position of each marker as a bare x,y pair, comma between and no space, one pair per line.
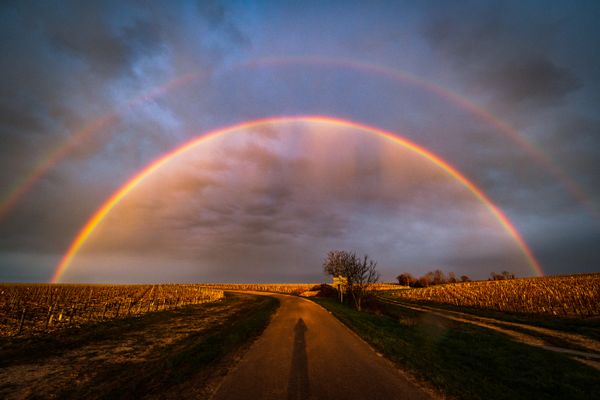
340,283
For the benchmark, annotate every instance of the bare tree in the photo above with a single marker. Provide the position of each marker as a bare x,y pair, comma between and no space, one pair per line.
422,281
363,275
508,275
405,279
335,264
360,274
438,277
452,277
429,278
502,276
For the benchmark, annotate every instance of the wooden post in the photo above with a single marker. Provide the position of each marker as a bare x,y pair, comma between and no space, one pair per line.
21,322
49,316
129,308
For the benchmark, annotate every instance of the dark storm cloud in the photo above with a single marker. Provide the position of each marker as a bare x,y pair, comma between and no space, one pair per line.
451,29
532,79
58,53
19,116
66,65
107,50
216,14
575,249
576,138
485,45
110,37
525,64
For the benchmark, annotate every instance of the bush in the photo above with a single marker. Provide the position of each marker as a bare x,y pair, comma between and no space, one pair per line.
324,290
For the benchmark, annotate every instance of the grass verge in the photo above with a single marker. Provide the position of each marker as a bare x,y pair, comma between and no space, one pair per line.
187,358
589,327
466,361
179,369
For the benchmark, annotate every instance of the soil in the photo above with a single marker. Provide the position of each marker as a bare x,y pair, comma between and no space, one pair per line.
95,361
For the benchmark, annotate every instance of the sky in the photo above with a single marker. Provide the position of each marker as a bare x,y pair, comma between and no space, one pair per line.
506,93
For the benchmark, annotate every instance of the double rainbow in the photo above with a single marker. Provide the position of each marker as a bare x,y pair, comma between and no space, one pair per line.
11,199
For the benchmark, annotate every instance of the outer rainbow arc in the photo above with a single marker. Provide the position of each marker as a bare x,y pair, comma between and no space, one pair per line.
10,200
454,98
111,202
86,132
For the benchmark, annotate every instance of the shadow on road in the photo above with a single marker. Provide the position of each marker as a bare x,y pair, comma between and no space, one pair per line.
298,385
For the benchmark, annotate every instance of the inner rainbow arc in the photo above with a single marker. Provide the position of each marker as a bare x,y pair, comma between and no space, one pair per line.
130,185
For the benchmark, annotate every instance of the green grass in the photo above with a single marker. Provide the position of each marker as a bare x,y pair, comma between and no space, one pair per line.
589,327
466,361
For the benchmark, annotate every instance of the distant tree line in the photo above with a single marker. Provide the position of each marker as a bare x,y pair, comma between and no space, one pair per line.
501,276
431,278
438,277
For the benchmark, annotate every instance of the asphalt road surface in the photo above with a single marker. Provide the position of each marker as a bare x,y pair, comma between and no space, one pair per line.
305,353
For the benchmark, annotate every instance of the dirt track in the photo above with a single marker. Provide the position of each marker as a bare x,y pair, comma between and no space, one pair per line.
586,350
305,353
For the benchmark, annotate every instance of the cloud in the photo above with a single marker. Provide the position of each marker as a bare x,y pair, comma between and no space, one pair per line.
106,50
268,203
69,66
534,78
218,17
483,47
577,249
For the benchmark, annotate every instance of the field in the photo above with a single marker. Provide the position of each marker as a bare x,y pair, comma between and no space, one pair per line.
463,358
178,353
36,308
572,296
548,326
284,288
380,287
447,336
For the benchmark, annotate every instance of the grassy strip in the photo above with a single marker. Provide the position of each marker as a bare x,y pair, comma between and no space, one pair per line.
584,325
192,357
35,348
589,327
466,361
189,362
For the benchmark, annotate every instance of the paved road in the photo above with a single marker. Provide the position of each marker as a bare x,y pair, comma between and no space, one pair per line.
305,353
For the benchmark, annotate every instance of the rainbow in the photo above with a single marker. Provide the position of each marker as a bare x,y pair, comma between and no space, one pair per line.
11,199
130,185
462,102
